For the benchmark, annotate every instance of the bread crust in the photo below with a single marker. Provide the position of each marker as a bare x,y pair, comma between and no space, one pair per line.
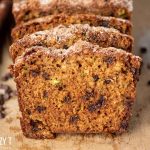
29,9
62,36
49,22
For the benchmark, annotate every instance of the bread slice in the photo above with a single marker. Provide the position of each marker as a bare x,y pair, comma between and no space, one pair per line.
49,22
29,9
63,37
84,89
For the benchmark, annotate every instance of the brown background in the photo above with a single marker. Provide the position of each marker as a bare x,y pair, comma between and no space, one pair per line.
138,137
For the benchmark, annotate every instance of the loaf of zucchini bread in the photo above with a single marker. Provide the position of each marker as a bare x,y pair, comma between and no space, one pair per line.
48,22
80,89
63,37
25,10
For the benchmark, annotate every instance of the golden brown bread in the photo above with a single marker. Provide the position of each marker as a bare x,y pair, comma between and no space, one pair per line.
49,22
84,89
29,9
62,36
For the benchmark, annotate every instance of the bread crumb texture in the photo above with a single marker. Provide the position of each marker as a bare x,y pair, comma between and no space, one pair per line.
84,89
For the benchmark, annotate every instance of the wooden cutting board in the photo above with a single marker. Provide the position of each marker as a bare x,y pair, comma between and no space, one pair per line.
138,136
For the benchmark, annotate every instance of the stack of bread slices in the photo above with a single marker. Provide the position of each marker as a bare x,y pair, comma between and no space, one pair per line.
73,66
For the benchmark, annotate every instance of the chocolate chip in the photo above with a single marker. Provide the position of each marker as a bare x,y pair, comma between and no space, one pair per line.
124,71
1,108
88,95
148,83
67,98
100,102
143,50
65,47
124,125
34,125
45,94
107,81
135,73
1,99
128,102
6,88
6,96
45,75
28,111
58,38
79,64
5,91
99,66
109,60
58,65
35,73
29,52
95,78
39,44
83,33
2,115
92,108
74,119
27,13
13,93
97,105
7,76
40,109
104,24
93,37
61,87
